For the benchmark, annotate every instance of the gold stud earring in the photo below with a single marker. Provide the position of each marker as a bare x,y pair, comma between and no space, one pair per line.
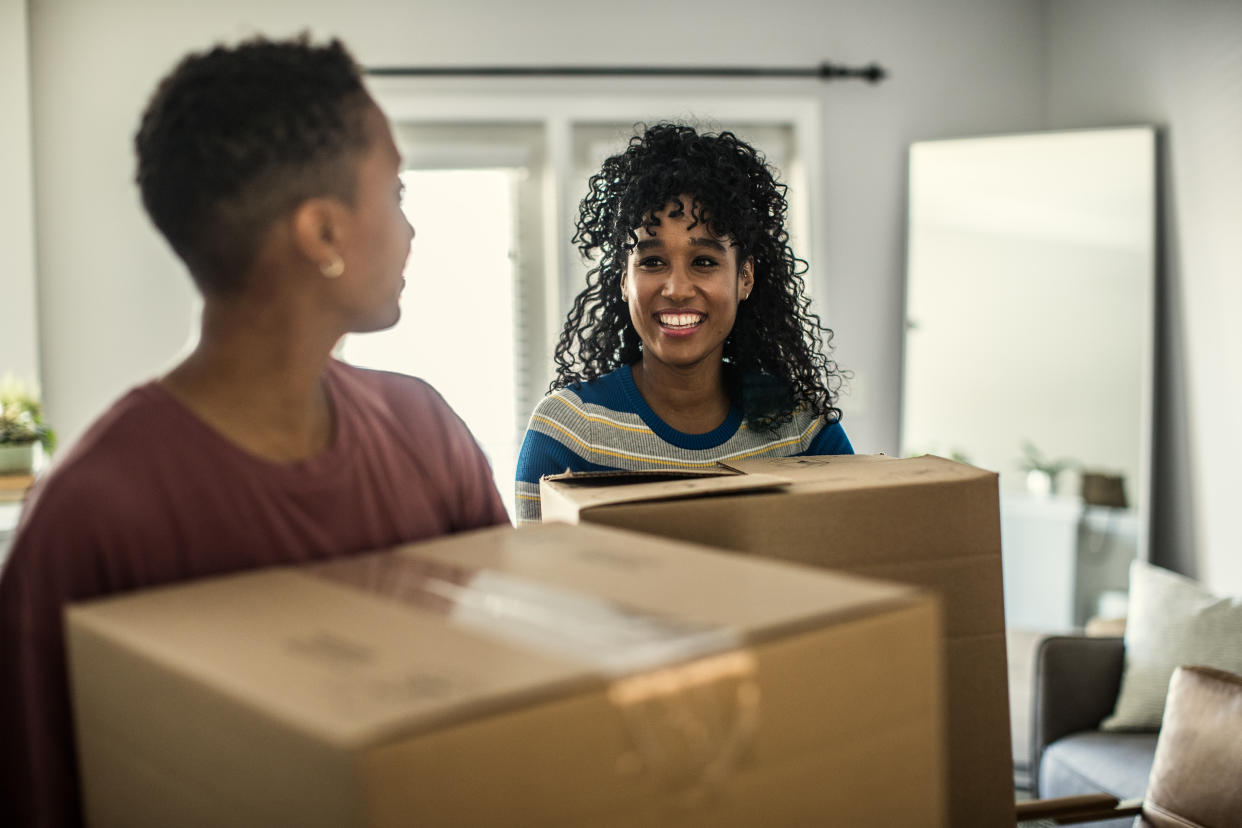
334,267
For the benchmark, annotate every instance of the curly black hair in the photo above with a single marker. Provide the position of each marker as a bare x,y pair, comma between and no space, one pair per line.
776,353
235,137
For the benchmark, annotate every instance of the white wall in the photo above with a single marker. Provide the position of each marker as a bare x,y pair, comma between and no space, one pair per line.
116,306
1178,64
18,328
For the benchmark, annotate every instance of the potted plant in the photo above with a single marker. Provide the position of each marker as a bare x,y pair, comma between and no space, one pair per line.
1041,472
21,427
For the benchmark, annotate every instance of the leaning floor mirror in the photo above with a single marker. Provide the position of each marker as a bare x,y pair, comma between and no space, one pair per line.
1029,350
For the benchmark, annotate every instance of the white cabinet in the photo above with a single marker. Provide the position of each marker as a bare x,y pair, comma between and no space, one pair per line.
1059,556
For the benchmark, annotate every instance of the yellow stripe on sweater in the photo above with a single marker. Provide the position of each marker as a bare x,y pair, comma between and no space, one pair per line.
601,420
701,464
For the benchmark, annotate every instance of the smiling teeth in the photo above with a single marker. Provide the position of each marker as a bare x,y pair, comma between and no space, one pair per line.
679,320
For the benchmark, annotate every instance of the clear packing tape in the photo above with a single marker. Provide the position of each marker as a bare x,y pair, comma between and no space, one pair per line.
691,724
687,692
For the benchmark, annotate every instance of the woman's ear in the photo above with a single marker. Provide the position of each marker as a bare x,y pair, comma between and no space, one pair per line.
746,279
318,232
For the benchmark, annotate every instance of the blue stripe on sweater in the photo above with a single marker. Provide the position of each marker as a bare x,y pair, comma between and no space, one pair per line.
830,440
542,455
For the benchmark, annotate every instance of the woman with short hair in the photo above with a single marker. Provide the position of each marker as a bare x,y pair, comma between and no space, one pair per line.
273,174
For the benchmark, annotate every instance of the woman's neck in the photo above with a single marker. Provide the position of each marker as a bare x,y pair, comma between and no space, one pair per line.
256,376
692,400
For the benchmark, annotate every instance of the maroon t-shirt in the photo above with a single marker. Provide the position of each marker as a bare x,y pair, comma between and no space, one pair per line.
151,495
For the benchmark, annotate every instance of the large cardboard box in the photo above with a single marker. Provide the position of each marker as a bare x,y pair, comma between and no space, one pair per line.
542,677
925,521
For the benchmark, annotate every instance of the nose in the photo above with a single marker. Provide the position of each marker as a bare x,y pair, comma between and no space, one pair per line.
409,227
677,287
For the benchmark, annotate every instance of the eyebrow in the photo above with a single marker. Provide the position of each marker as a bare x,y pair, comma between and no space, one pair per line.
697,241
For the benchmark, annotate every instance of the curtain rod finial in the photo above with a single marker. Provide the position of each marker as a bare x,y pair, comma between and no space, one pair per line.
872,72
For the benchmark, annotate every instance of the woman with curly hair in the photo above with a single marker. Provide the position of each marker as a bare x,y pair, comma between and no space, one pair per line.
693,341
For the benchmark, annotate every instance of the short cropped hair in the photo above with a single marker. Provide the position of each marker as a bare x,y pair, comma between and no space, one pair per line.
236,137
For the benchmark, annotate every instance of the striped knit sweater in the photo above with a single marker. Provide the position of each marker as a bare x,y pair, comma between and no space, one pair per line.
606,424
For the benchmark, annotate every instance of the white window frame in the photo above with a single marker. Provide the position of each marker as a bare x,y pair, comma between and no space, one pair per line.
410,101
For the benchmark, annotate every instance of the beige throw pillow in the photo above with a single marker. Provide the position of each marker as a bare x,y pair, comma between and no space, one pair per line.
1172,621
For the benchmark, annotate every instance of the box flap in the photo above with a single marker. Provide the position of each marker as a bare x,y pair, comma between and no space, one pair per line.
615,476
564,495
861,471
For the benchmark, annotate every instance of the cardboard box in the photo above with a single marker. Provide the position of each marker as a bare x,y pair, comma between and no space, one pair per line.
924,521
549,676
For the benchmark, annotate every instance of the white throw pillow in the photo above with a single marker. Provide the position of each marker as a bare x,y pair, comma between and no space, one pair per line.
1172,621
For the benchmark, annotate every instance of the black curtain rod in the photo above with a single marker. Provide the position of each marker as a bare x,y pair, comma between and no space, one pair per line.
824,72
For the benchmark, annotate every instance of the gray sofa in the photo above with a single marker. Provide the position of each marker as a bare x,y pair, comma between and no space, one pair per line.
1075,687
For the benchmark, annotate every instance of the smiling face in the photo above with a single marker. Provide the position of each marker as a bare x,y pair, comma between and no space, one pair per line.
683,284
